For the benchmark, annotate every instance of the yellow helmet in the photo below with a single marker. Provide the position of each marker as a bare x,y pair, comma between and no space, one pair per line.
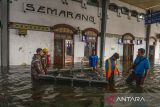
45,50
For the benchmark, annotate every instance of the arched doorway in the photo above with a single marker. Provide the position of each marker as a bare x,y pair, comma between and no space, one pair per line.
91,41
152,44
63,45
128,50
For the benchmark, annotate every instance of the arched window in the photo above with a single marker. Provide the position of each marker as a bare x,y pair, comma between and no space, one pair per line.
113,7
91,41
125,10
63,44
153,41
134,13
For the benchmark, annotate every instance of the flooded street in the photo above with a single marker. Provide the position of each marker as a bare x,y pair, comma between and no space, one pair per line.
17,90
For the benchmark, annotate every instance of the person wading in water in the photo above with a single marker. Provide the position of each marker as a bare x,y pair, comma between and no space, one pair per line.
46,60
140,68
111,69
36,64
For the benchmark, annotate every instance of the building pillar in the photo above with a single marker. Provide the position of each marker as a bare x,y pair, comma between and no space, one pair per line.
103,30
148,31
4,34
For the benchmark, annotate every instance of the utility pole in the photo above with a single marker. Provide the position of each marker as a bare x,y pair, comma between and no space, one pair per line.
148,31
103,30
4,34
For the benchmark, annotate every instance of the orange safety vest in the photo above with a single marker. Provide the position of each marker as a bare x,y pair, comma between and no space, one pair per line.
109,72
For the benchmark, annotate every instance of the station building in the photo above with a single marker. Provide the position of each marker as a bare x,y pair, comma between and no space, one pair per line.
70,29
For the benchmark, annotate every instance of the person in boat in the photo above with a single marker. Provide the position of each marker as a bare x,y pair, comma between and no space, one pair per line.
36,64
46,60
111,68
139,69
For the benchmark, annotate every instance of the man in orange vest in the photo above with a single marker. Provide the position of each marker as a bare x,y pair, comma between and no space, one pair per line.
111,68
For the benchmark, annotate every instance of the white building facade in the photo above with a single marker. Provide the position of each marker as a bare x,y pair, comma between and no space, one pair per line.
70,30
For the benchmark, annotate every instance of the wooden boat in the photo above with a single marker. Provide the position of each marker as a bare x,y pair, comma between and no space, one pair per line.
72,81
73,77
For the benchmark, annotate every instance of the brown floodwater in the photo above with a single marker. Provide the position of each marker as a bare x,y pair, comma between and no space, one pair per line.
17,90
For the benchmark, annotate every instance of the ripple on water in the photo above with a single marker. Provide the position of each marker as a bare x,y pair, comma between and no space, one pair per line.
17,90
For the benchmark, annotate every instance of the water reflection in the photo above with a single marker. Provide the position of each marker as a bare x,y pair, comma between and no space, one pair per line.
4,70
37,91
4,89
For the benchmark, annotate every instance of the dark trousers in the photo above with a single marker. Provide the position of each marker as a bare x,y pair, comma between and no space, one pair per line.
138,78
111,82
111,79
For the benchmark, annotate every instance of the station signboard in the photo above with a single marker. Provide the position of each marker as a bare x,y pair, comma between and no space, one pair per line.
152,18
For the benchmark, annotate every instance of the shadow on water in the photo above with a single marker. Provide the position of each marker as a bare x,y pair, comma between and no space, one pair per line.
17,90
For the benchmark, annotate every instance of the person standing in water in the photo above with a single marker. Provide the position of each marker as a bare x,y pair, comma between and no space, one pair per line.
36,64
140,68
111,68
46,60
93,61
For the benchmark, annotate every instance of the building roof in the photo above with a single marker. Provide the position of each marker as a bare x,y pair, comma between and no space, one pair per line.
145,4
